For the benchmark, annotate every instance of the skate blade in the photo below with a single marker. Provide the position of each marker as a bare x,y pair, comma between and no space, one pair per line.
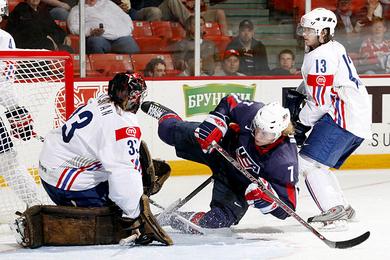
334,226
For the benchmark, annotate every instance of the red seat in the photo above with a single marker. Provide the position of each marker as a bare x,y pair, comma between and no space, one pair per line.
220,41
152,44
140,61
162,29
76,65
212,28
109,64
75,42
12,4
142,29
178,32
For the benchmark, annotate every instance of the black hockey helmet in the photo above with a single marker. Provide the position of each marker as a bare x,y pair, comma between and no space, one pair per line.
130,87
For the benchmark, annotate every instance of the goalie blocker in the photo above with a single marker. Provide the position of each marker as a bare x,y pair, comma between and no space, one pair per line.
71,226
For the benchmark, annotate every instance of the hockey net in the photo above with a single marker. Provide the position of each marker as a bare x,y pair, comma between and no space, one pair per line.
36,88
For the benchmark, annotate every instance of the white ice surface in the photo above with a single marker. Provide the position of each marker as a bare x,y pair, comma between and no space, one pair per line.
257,236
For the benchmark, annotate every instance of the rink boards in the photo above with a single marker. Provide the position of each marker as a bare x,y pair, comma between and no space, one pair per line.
192,99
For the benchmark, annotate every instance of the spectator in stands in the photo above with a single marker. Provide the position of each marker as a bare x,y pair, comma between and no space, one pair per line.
140,11
208,51
346,20
286,64
125,5
375,50
33,28
59,9
210,15
107,28
372,9
155,68
156,10
189,66
253,55
230,64
174,10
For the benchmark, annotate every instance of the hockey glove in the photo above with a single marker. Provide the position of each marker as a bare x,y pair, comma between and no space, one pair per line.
255,197
211,129
294,100
21,123
300,133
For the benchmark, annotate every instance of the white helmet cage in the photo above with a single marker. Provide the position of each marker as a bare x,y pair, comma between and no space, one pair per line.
271,118
3,8
319,19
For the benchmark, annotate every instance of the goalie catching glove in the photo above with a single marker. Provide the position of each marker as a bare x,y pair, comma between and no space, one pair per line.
154,172
21,122
211,129
255,197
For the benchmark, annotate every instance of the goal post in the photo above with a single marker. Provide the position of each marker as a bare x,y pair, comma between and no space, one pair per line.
36,89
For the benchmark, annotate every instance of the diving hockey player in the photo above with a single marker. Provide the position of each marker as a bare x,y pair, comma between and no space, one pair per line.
337,110
91,165
256,135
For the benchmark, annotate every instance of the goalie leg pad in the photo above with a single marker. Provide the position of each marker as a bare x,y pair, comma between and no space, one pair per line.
150,229
66,226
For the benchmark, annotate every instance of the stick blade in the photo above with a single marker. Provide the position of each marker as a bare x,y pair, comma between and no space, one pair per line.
349,243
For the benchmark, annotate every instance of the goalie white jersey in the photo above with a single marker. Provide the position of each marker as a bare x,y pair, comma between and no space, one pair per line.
98,143
333,86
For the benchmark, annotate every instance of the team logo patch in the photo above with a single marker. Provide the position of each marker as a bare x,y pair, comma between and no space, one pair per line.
246,161
321,80
127,132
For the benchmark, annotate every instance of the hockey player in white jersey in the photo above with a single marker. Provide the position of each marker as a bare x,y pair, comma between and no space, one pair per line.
337,110
21,127
93,160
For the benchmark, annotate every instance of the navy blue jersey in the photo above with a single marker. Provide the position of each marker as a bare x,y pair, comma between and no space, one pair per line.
277,162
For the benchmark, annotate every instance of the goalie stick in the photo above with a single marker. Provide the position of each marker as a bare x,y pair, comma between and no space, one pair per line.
180,202
333,244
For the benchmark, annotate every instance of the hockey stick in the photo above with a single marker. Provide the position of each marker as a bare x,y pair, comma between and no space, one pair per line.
333,244
185,221
180,202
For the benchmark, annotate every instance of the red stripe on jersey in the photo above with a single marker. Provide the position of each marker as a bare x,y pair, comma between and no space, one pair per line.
321,81
291,194
80,170
126,132
61,177
232,102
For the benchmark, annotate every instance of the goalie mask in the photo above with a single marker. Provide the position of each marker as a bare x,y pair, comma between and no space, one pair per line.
269,123
127,90
3,8
316,20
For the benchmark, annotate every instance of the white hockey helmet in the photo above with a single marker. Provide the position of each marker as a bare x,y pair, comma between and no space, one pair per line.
3,8
272,118
318,19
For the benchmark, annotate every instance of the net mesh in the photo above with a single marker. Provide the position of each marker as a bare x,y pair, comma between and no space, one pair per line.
32,102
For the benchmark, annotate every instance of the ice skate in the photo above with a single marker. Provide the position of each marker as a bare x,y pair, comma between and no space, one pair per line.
185,222
157,110
333,219
351,214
